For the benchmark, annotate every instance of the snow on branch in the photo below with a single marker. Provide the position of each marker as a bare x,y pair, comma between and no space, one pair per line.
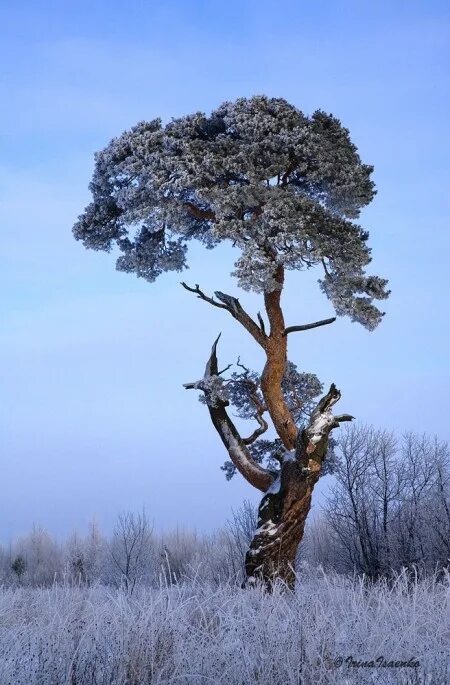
315,436
217,401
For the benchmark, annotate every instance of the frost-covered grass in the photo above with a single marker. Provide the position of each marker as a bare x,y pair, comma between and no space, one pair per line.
194,633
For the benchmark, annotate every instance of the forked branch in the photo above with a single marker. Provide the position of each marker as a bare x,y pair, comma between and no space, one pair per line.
202,295
312,441
234,307
255,474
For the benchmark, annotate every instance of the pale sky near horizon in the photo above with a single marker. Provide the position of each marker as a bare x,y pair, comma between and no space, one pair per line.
94,419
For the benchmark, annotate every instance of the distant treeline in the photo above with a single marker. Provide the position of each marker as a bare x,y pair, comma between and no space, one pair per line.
388,509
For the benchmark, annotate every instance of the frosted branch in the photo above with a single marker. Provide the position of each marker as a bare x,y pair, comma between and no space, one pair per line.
216,401
314,438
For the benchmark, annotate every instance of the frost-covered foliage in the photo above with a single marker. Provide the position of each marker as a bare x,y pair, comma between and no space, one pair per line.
282,187
193,634
36,558
300,391
244,391
214,389
270,453
133,556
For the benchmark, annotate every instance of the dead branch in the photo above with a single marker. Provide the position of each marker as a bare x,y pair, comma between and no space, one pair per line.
202,295
255,474
307,326
234,307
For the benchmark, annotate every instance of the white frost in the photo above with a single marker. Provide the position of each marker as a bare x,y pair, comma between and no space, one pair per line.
275,487
319,426
268,528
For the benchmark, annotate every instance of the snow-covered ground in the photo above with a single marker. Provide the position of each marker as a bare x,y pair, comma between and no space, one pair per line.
195,633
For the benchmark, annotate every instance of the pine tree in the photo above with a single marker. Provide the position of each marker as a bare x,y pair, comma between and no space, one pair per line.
285,189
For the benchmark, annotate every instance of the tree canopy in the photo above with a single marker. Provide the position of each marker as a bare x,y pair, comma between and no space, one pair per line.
283,187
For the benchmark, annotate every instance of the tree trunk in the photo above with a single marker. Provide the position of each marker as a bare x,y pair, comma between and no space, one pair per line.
281,523
275,347
286,504
287,499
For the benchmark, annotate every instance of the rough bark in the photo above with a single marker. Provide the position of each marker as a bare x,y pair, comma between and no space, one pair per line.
286,504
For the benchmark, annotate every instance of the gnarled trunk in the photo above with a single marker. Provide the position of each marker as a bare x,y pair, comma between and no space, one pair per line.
281,522
286,504
287,499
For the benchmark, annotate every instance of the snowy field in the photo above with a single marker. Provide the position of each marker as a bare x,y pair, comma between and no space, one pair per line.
196,633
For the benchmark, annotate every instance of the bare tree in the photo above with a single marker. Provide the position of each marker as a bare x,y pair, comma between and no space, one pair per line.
131,548
357,509
440,518
285,189
389,507
95,553
240,531
425,477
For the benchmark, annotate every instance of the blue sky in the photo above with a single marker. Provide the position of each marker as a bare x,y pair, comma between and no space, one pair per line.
94,418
